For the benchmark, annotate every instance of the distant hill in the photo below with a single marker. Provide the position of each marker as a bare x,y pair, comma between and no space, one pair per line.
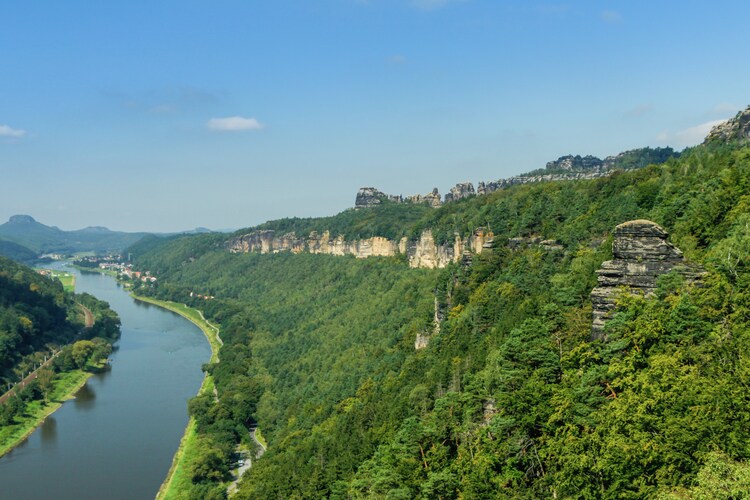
24,230
16,252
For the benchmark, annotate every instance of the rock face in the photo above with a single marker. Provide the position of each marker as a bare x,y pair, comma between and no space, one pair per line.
641,254
574,163
460,191
423,252
369,197
736,129
565,168
432,198
268,241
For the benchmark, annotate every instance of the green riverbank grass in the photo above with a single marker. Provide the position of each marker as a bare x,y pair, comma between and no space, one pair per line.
67,279
66,385
179,481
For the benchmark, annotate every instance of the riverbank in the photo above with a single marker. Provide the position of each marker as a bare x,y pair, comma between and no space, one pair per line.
178,478
65,388
194,316
107,272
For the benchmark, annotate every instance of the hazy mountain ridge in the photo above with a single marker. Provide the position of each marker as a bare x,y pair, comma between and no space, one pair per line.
40,238
23,238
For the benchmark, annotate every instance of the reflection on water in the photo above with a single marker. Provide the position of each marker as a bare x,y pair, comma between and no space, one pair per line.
48,431
84,399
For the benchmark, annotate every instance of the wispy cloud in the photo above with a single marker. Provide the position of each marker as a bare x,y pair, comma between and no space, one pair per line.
725,108
397,60
432,4
689,136
639,110
10,132
163,100
234,124
552,8
611,16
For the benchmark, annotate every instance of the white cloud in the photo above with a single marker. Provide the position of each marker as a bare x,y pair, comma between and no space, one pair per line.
639,110
234,123
689,136
611,16
12,133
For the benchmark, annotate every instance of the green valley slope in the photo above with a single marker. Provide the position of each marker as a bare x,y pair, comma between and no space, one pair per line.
511,398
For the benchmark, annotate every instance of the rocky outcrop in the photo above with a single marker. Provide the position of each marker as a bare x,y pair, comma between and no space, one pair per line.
432,198
641,254
422,340
268,241
460,191
736,129
522,242
490,187
369,197
575,163
565,168
423,252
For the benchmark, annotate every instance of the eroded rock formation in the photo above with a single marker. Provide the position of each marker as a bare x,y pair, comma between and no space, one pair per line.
641,254
574,163
565,168
424,252
460,191
432,198
736,129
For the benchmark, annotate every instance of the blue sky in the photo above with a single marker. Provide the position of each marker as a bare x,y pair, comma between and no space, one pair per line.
164,116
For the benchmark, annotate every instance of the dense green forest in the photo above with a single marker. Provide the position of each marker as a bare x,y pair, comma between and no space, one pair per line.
390,220
512,398
16,252
38,319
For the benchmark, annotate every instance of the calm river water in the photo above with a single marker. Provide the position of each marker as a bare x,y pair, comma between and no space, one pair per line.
116,439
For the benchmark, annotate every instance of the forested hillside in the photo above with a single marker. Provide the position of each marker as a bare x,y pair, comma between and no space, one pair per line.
39,319
511,398
16,252
36,314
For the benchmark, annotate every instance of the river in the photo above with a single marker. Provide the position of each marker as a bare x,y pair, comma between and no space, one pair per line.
116,439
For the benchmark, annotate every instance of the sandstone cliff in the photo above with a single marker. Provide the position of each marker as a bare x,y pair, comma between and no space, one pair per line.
423,252
460,191
370,197
565,168
432,198
641,254
736,129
